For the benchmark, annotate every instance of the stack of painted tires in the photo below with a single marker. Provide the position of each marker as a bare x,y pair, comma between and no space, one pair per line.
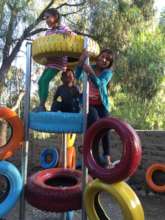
58,189
8,171
53,153
111,180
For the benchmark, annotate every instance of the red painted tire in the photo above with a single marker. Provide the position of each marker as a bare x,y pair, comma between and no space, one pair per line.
43,191
131,155
17,136
149,177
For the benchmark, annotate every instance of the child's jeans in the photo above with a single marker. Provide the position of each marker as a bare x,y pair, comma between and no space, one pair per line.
95,113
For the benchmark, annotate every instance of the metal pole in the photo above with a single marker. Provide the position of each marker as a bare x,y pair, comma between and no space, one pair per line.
64,163
85,112
25,148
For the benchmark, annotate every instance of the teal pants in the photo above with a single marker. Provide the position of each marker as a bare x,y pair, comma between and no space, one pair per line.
43,83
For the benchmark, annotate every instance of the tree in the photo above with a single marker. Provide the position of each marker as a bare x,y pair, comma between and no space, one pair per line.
114,23
140,70
126,26
12,14
162,21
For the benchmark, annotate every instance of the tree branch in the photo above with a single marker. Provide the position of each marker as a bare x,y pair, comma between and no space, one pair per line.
78,32
2,5
71,5
74,12
20,96
84,34
26,33
36,31
8,40
37,21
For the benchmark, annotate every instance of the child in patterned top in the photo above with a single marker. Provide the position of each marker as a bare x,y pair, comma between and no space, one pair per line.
55,65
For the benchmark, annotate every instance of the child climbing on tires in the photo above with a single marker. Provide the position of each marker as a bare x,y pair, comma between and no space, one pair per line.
52,18
99,76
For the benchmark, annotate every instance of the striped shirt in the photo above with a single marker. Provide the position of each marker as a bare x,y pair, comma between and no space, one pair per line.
59,63
94,96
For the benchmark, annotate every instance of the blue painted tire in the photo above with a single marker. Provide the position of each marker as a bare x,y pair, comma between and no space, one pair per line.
56,122
70,215
14,178
54,158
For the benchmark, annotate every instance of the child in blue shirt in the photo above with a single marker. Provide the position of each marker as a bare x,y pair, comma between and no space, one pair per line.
99,76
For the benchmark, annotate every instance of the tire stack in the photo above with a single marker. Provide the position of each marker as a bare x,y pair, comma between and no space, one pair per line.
58,189
110,180
10,173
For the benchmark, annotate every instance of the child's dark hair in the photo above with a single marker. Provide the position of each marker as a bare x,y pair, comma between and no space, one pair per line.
68,69
53,12
110,53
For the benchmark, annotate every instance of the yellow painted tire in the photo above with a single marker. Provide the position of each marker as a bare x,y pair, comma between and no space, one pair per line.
121,192
71,139
47,47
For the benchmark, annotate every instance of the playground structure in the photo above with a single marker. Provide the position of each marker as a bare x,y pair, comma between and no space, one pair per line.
79,193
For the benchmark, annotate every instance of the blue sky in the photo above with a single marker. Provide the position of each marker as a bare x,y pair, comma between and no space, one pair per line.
159,4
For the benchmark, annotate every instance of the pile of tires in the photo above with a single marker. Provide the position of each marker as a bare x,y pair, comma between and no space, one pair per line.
110,180
11,174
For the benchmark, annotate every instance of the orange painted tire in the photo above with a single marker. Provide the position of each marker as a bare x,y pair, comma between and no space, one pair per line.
149,177
71,158
16,138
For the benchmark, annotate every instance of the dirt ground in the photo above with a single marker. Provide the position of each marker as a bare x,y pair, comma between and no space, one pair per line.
153,205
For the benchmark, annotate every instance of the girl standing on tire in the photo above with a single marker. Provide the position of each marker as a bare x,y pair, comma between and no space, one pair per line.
99,76
52,18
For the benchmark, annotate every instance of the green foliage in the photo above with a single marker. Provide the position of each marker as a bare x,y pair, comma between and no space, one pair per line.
125,26
15,12
141,115
141,68
146,8
14,84
162,21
